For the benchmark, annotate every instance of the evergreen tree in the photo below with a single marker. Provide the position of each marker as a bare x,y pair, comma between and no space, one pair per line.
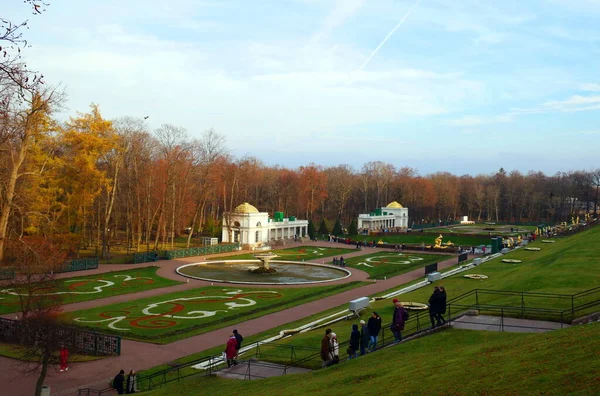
337,228
311,230
324,227
353,229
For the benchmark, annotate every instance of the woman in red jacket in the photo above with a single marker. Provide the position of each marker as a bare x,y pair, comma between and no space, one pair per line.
64,358
231,350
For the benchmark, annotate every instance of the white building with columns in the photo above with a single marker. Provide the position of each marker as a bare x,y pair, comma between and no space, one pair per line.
393,215
254,229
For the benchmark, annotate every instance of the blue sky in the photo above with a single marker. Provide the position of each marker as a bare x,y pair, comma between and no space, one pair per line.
462,86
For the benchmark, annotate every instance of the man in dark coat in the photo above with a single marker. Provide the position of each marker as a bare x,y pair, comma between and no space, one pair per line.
239,340
400,316
118,382
434,306
442,307
374,325
354,341
364,338
326,355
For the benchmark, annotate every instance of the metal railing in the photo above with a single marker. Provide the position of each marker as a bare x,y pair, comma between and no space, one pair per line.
80,265
419,324
74,338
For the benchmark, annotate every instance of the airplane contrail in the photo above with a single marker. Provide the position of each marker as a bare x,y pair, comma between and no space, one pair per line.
366,62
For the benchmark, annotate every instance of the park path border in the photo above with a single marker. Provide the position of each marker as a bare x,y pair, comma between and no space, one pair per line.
140,355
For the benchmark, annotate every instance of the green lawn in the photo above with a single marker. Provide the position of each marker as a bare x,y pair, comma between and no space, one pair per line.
416,238
568,266
301,253
92,287
562,267
387,264
463,362
169,317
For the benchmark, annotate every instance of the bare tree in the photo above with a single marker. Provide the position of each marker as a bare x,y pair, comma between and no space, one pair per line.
39,337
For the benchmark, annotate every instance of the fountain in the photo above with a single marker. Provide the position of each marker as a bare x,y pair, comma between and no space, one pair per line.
265,268
281,272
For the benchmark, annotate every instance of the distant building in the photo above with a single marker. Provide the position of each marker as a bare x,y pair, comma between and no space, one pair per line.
254,229
393,216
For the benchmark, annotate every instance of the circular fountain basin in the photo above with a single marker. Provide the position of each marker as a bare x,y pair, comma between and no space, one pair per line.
288,272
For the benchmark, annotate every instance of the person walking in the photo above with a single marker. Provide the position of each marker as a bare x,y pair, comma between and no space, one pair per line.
131,386
374,325
335,349
354,342
442,306
118,382
64,358
231,350
434,306
364,338
326,351
398,320
239,339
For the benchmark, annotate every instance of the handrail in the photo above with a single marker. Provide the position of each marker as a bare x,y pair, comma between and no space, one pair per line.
417,324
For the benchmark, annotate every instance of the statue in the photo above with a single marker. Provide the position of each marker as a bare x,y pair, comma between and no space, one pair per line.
572,220
577,220
519,240
438,241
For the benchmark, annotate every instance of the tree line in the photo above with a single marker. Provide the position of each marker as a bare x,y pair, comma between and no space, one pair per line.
94,182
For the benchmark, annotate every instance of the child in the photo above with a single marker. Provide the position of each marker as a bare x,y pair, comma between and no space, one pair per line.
64,358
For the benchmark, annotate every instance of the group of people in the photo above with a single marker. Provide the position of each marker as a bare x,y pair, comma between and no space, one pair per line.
121,385
232,348
437,306
362,340
339,261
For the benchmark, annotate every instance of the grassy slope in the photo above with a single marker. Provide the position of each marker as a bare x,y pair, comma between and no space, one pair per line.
567,266
186,328
450,362
575,270
386,267
9,303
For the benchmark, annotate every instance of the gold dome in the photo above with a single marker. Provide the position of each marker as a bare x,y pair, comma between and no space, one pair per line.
394,205
245,208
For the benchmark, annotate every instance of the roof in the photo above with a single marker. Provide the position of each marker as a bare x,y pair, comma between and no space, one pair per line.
394,205
245,208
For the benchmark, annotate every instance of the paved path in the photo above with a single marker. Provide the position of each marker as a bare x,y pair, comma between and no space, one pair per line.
140,356
512,325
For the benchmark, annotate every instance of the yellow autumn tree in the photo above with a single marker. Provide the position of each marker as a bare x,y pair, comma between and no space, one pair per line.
93,156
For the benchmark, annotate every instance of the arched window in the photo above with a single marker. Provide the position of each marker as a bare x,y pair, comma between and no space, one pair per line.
258,224
236,223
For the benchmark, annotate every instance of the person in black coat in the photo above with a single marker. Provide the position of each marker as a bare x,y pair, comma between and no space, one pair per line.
118,382
434,306
374,325
239,340
354,342
442,307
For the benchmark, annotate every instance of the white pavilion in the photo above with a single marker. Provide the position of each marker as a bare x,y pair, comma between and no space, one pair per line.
393,215
254,229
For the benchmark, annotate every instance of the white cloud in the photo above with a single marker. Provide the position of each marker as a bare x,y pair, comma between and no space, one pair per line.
472,121
591,87
574,103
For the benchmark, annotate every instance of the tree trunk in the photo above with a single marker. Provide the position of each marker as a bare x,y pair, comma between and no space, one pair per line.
10,193
108,213
42,377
